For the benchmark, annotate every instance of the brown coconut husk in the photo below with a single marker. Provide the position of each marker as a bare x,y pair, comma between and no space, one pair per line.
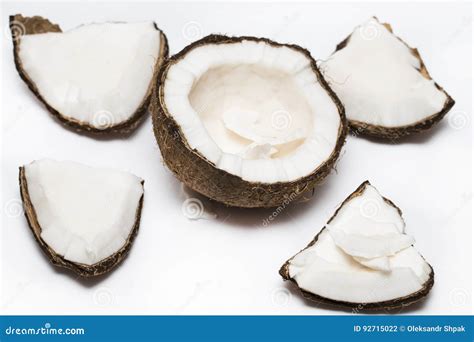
396,303
395,133
201,175
21,26
56,259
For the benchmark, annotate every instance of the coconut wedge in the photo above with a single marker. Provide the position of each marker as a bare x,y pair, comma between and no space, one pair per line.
362,258
247,121
384,85
84,219
96,78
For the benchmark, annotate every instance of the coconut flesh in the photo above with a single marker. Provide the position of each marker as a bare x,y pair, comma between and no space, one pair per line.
362,256
382,82
85,214
96,75
253,109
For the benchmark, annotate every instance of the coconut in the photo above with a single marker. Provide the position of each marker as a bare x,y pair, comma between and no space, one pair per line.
384,85
84,219
96,78
362,258
247,121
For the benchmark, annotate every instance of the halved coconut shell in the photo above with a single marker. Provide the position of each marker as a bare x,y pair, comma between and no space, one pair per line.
202,175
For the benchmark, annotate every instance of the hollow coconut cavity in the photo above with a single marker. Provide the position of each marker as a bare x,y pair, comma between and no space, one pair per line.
97,77
246,121
362,258
384,85
83,218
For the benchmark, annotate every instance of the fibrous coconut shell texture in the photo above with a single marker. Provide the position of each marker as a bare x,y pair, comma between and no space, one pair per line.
395,303
382,131
83,270
21,26
202,175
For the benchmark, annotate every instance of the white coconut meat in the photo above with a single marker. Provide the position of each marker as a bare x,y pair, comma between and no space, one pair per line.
377,77
362,256
98,74
253,109
86,214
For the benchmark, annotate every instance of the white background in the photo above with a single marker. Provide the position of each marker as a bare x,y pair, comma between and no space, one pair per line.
230,265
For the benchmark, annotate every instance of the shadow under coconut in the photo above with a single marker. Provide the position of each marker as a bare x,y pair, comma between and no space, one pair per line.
96,136
86,282
104,136
272,217
418,138
295,292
